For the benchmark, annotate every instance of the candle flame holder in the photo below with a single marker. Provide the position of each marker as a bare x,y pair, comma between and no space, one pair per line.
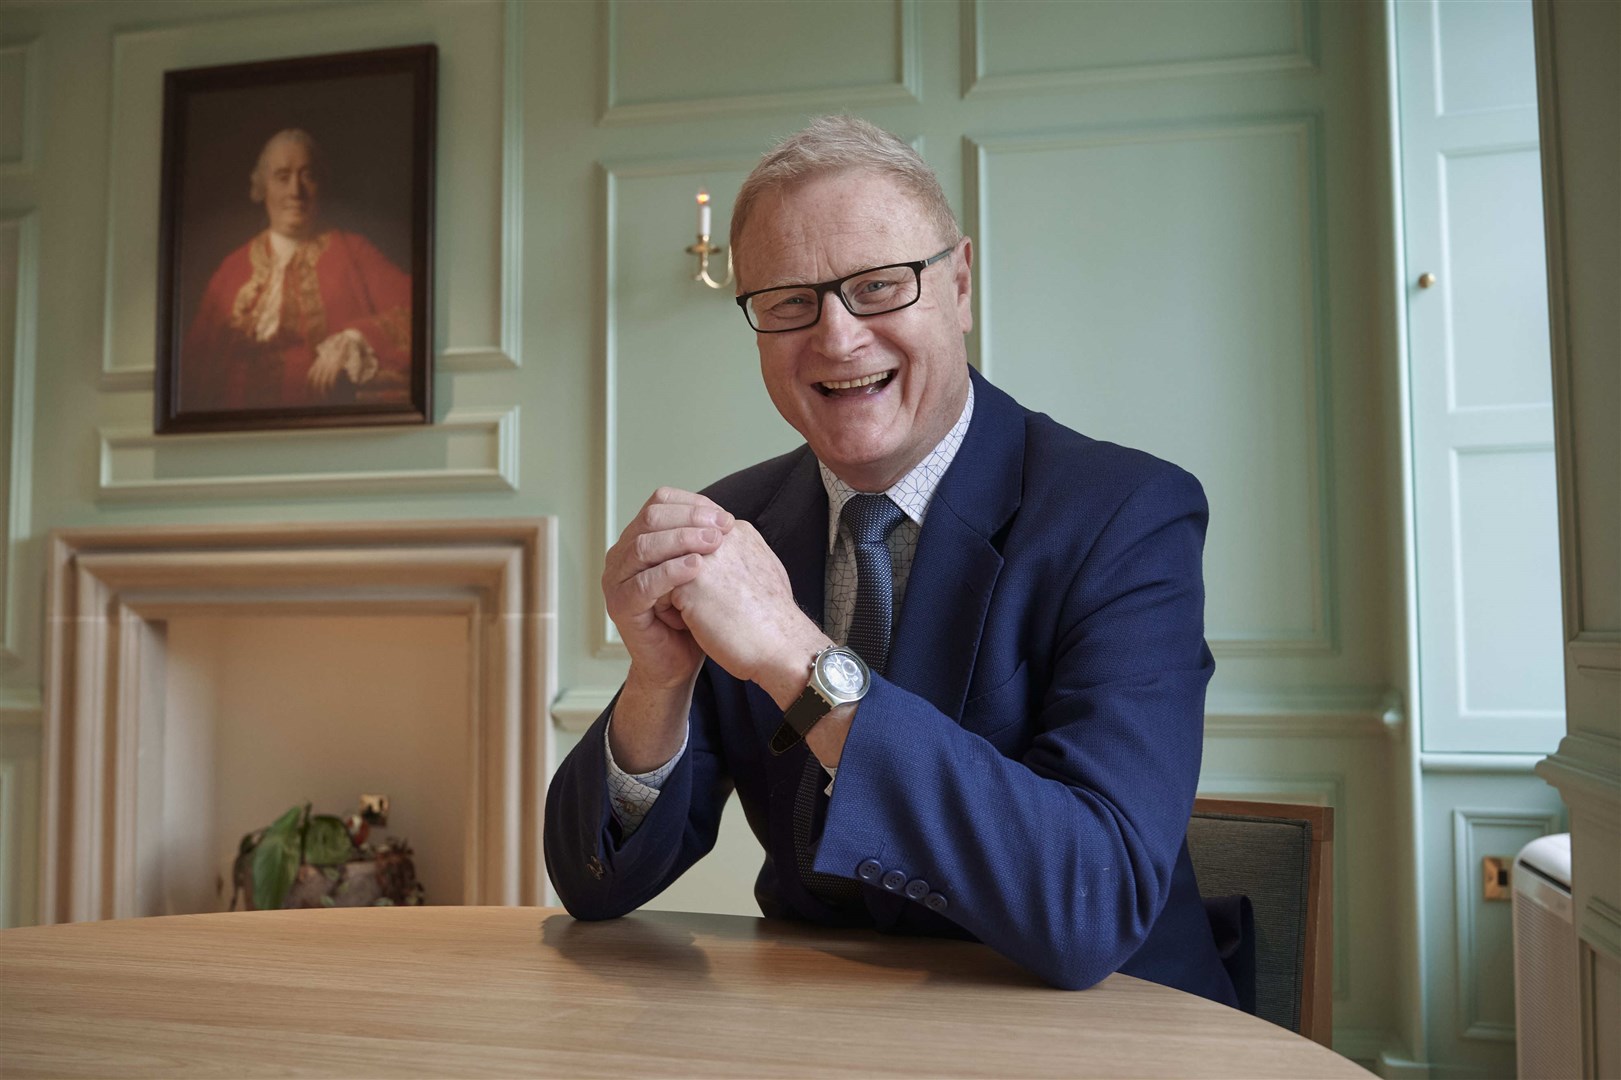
704,249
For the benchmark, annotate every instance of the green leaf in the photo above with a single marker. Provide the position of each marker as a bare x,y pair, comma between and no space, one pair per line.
275,861
326,842
327,901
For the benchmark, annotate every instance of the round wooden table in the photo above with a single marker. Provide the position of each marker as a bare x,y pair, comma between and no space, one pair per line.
529,991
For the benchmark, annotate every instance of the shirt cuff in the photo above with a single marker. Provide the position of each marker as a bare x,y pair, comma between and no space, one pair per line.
632,794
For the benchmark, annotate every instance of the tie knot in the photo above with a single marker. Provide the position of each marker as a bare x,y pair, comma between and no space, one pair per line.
871,518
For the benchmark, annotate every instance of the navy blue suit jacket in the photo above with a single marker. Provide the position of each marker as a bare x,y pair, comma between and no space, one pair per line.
1032,753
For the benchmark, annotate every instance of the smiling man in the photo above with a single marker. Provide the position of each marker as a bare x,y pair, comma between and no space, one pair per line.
949,653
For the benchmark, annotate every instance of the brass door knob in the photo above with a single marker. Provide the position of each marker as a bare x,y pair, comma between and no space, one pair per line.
1425,280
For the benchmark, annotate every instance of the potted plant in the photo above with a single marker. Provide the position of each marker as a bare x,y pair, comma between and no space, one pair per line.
306,860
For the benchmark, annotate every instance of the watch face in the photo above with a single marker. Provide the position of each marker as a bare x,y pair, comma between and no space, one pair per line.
843,674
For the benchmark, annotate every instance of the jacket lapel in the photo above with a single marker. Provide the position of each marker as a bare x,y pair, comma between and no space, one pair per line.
948,592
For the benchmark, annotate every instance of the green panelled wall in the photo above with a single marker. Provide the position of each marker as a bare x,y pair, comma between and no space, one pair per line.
1185,227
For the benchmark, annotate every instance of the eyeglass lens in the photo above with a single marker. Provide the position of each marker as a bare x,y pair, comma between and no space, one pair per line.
871,292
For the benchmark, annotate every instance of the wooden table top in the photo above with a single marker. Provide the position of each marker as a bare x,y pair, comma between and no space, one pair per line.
529,991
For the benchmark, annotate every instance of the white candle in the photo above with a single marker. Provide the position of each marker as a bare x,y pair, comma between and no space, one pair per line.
703,212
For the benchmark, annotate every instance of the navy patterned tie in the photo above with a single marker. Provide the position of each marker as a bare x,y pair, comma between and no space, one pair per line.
870,519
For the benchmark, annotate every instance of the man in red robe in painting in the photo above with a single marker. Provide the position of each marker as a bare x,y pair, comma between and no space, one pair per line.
300,315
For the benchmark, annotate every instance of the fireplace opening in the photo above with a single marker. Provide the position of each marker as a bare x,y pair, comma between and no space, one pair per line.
203,680
263,713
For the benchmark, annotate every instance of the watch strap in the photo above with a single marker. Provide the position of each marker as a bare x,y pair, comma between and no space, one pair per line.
801,716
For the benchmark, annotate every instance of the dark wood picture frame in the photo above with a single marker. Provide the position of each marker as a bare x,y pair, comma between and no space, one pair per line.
295,257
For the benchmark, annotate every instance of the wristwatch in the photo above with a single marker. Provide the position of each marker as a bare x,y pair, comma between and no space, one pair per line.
838,676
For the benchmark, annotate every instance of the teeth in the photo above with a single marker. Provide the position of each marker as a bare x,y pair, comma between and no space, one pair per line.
851,384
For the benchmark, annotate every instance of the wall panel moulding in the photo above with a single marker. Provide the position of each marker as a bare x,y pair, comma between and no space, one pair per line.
1039,52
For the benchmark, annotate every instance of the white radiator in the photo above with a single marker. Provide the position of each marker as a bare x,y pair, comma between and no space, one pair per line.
1546,995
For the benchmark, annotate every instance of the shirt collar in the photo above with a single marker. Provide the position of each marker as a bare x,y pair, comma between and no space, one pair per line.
912,492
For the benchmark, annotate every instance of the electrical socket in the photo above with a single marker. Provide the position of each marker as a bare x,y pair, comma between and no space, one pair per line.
1497,876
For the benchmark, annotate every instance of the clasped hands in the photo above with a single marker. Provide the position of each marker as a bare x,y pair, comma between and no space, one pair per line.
687,580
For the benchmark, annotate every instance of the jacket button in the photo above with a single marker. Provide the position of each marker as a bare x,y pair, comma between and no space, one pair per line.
594,865
917,889
870,870
935,902
894,880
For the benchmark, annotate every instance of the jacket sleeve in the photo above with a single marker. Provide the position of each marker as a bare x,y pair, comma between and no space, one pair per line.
1060,856
205,350
599,874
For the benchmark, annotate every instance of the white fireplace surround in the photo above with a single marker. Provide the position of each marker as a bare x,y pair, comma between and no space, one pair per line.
110,593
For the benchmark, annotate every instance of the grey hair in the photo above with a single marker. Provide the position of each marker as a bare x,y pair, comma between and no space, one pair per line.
256,179
835,144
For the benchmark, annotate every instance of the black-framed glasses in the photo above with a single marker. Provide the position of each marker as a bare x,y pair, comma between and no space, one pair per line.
874,291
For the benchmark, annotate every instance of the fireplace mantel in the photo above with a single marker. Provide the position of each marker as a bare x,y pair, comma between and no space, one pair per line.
110,593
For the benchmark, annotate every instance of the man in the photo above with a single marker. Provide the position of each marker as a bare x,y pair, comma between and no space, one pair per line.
299,315
1019,766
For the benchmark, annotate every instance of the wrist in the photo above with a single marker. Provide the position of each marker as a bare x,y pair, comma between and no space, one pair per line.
647,684
826,739
649,724
838,679
786,673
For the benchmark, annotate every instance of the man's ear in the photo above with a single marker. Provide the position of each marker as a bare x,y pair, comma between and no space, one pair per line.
964,286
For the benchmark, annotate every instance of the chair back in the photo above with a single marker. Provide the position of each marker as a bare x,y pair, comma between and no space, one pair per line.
1280,855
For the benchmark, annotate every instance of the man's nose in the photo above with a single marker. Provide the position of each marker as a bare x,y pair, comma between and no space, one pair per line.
837,334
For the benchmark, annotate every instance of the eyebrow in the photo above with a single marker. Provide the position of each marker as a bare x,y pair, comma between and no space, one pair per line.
789,284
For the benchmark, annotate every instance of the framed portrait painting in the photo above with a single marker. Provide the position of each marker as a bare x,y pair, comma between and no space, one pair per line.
295,256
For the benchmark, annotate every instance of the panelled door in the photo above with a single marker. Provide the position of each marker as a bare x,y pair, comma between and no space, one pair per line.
1482,418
